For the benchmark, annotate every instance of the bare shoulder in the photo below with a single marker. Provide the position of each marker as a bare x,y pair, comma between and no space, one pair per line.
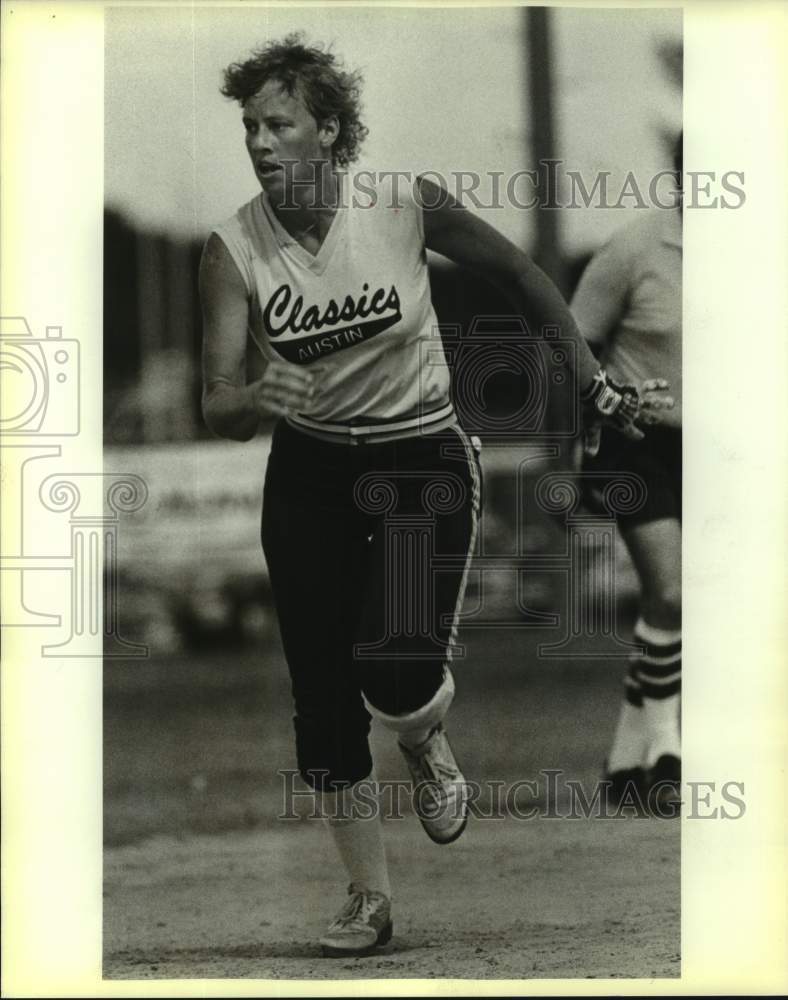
432,192
218,270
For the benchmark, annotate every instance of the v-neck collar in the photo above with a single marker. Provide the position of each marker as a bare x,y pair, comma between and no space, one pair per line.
318,262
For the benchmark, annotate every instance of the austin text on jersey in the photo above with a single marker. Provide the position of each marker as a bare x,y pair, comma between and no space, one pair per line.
302,335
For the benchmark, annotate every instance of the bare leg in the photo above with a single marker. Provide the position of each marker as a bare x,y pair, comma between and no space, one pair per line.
655,548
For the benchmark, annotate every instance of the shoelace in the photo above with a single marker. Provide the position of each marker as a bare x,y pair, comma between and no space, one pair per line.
438,771
353,911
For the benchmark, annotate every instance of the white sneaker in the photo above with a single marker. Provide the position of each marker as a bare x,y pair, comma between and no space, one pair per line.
363,924
440,792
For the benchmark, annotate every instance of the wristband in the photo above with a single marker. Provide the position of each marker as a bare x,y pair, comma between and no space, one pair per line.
607,402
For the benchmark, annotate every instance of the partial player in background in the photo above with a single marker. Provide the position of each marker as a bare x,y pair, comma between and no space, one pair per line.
628,305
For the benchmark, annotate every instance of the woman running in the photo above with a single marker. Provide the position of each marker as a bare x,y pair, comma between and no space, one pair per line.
371,497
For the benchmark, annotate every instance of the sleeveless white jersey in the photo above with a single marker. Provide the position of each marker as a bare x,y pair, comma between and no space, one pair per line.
359,311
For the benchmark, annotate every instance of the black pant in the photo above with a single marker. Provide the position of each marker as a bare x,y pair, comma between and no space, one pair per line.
656,461
367,549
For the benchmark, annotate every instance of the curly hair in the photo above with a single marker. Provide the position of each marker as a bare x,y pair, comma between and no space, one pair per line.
326,88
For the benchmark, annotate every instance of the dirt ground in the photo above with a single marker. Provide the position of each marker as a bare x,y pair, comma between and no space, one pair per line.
513,899
202,881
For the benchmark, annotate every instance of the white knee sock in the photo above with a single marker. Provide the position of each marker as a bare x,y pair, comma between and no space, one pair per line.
415,737
414,727
630,740
358,836
659,673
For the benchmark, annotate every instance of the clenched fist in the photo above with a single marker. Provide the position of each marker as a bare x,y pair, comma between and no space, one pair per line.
284,388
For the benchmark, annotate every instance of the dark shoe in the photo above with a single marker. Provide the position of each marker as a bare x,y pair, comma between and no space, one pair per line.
664,787
626,789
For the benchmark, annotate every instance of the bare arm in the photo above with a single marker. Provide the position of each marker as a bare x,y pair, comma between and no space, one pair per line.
231,407
601,296
227,401
456,233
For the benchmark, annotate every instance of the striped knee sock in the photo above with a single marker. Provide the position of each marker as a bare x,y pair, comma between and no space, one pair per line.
659,673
